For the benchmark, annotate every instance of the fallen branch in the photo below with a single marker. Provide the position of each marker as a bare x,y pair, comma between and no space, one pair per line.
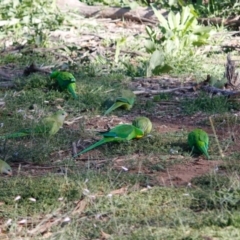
154,92
214,90
231,21
140,14
33,68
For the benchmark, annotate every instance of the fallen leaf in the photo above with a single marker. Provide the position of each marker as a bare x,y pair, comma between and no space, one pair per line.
105,235
81,205
47,235
119,191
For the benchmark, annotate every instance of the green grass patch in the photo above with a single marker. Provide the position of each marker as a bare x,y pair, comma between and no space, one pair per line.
208,104
159,212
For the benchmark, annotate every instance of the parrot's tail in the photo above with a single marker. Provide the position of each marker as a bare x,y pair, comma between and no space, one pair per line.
115,106
71,89
14,135
100,142
204,151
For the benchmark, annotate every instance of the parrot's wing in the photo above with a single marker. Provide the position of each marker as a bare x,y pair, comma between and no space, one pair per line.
119,133
124,100
63,78
47,126
203,137
50,125
124,132
66,76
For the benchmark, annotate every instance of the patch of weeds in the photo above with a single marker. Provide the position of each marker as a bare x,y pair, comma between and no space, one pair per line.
217,192
147,105
158,168
205,103
211,182
34,81
26,57
162,96
23,100
233,163
226,120
132,70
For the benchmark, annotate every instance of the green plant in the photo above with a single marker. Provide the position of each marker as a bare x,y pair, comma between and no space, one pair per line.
32,20
180,32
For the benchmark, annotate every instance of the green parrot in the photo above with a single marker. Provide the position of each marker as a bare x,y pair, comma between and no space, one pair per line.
143,123
126,101
66,81
122,132
198,140
5,168
48,126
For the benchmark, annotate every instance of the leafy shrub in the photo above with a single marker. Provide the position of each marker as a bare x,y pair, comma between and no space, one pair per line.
31,19
178,33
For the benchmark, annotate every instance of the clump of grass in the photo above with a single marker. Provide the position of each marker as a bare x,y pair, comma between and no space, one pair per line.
159,212
162,96
207,104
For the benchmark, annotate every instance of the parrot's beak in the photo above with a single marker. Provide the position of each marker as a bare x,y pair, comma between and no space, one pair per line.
8,173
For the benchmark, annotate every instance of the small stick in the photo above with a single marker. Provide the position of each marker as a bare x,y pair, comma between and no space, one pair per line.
74,148
216,138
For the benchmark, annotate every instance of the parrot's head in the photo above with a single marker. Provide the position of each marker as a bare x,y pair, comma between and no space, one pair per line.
143,123
54,74
61,115
7,169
